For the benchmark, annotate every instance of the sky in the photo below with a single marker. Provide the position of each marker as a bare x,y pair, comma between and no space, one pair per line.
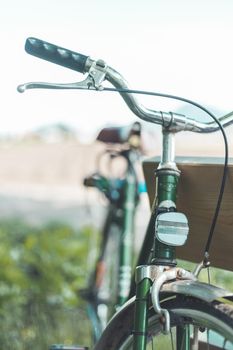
181,47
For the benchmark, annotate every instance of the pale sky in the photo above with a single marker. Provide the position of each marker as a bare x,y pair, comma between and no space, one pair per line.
181,47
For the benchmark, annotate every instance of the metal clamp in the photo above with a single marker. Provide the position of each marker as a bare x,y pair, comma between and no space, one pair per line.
98,72
151,272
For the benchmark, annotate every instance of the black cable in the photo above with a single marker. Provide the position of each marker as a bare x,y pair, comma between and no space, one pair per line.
222,187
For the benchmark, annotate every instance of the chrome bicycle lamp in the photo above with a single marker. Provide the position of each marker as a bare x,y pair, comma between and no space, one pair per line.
172,228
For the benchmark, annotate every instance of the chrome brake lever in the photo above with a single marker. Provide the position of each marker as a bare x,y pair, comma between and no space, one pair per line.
93,81
85,85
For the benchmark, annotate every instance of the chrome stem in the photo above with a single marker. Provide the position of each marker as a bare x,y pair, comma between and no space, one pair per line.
168,151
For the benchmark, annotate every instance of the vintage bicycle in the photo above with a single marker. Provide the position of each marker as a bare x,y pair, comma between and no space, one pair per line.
171,309
109,283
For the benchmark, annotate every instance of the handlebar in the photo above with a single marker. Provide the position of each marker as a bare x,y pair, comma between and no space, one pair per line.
98,71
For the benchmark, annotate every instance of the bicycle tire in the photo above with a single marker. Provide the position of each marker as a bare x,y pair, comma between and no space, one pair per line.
214,317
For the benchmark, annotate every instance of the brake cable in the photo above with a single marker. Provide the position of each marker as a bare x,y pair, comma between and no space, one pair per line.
206,260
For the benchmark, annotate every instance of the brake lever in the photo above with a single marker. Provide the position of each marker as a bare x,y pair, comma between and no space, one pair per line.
93,81
84,85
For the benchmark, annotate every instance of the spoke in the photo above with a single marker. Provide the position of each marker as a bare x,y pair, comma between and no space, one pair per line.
194,345
208,339
152,342
208,273
183,337
172,340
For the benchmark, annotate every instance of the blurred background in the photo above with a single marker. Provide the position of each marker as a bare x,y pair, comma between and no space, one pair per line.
47,138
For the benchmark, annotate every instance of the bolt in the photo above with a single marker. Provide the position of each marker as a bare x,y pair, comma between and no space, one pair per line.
181,273
100,63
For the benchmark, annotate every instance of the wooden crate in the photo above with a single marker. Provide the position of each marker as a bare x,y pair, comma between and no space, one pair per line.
197,197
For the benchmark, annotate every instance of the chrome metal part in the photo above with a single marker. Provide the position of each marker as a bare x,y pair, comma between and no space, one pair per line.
168,151
202,265
203,291
198,268
148,271
195,340
167,204
166,275
93,81
156,287
183,274
172,121
161,118
86,84
172,228
98,72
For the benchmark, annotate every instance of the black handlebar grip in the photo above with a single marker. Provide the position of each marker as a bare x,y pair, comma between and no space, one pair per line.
56,54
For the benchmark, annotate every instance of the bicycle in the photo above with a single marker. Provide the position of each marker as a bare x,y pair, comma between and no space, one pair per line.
171,307
109,284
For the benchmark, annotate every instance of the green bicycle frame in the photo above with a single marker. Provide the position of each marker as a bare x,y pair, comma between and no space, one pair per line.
123,199
167,177
126,239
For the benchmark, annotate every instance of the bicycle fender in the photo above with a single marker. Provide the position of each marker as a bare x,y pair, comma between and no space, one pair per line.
203,291
200,290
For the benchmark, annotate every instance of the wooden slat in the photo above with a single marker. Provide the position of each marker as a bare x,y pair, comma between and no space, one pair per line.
197,197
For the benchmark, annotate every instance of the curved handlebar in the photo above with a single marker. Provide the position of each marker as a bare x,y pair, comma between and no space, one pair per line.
172,121
98,71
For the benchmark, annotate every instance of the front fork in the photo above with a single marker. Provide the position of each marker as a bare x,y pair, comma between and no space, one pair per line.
167,176
149,281
162,255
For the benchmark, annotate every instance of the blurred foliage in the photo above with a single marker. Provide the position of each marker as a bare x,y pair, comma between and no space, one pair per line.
41,270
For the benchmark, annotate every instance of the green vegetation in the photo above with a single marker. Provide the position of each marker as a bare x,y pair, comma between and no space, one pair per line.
41,270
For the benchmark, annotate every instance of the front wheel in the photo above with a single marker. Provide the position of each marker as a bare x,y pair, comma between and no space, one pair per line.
205,325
